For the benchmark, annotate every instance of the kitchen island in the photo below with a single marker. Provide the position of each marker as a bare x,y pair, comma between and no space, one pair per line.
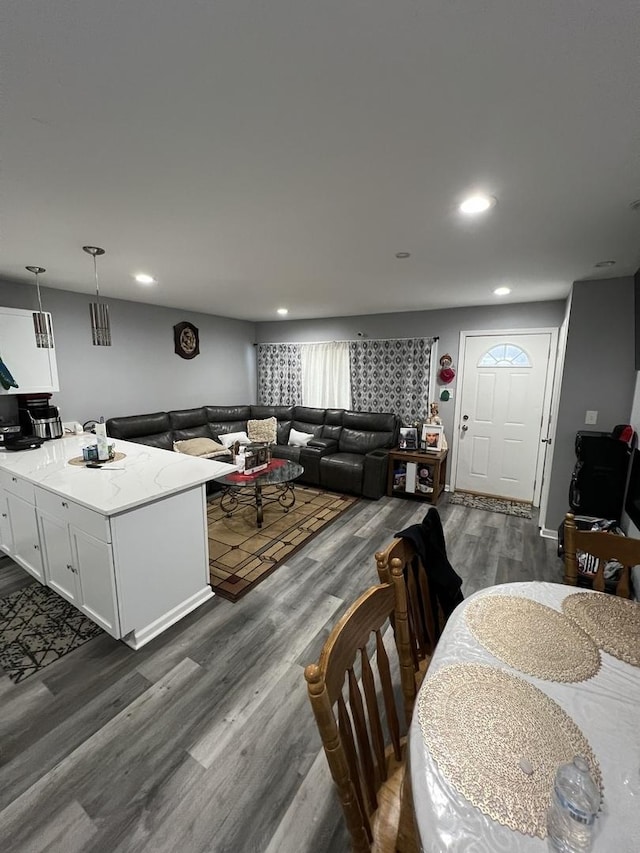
125,543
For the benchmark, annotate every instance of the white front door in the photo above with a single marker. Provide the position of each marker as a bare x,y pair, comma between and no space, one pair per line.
502,396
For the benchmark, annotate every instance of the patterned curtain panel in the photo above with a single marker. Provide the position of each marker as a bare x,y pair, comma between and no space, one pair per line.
392,376
279,374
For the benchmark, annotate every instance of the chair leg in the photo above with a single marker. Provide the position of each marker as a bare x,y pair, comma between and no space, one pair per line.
407,840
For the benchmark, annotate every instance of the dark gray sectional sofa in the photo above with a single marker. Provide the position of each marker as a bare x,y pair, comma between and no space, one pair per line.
347,454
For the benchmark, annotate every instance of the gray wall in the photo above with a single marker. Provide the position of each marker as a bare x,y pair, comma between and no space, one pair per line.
140,371
445,324
599,374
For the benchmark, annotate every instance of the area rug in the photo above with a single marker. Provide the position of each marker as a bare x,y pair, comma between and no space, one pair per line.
241,555
37,627
519,508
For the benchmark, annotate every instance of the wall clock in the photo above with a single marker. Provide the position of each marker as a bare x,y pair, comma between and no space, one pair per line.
186,340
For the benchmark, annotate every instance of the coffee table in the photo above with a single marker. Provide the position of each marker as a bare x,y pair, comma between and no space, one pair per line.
246,489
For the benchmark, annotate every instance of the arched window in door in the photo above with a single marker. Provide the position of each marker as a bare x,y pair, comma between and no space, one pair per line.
505,355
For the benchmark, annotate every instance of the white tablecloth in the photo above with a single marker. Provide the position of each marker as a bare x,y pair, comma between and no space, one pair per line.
605,707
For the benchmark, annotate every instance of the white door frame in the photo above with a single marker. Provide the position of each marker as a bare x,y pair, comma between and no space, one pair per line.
543,449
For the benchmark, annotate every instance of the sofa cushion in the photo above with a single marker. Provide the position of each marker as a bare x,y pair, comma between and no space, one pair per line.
163,440
265,430
230,438
224,419
282,413
363,432
201,431
203,447
301,439
133,427
188,418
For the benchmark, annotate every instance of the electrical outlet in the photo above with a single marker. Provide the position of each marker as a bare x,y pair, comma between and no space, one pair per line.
591,418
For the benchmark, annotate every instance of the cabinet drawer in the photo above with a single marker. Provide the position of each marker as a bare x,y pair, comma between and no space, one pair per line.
85,519
17,486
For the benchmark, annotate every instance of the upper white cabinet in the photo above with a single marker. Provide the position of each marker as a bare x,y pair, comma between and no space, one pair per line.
34,368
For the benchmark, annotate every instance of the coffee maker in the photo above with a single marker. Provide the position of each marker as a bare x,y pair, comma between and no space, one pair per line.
38,417
10,429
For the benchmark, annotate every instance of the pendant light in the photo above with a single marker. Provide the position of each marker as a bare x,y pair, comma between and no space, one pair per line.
41,321
98,311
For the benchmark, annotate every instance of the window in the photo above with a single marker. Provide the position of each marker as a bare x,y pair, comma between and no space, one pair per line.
505,355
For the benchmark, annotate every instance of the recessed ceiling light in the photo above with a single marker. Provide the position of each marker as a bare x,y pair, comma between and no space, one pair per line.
477,203
502,291
402,255
601,264
283,311
144,278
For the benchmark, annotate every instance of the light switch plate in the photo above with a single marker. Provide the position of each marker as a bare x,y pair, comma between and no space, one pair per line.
591,418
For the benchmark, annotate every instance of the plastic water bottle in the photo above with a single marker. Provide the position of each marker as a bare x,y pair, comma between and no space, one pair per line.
574,805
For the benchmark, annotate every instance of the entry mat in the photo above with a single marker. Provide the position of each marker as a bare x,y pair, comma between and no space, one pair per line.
37,627
506,507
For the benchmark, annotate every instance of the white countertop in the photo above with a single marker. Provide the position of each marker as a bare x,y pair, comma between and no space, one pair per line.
144,475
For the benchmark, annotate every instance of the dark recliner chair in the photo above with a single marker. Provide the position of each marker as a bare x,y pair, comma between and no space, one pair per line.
359,464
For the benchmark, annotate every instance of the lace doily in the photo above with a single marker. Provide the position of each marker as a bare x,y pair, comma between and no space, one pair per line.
498,741
612,622
79,460
533,638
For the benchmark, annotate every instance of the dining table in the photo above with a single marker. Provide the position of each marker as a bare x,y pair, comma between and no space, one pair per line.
524,676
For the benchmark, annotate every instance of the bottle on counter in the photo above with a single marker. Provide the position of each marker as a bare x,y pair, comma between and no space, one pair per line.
575,801
101,441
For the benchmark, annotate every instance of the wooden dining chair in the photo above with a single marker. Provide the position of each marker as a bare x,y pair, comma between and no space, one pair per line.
361,720
603,546
425,618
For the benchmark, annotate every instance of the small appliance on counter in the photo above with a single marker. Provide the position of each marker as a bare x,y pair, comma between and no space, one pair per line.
10,429
38,417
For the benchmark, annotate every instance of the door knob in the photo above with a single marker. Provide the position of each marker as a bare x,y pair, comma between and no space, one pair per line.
464,427
545,440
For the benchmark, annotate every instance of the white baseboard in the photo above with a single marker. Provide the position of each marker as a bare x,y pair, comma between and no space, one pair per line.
140,637
546,533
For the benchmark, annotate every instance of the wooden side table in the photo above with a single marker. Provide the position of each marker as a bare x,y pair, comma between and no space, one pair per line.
417,474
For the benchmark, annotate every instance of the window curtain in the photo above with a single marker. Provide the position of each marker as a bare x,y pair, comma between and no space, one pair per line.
279,374
325,375
392,376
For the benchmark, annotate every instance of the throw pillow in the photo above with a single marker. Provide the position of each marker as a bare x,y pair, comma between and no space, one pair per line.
205,448
265,430
300,439
230,438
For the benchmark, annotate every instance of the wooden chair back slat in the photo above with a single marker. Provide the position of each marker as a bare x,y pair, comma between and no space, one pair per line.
604,546
373,713
348,743
362,739
387,695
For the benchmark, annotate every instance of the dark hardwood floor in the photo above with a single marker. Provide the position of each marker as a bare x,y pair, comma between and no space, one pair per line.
204,739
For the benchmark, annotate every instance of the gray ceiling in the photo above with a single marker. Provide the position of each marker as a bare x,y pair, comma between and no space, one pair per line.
254,154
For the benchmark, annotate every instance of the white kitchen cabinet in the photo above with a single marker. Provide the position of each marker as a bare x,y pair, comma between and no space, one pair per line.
24,535
60,573
96,587
33,368
77,564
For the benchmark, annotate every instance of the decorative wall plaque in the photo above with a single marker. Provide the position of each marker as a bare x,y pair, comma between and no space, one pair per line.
186,339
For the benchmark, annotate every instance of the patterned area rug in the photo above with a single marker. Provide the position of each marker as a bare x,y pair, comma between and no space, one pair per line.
522,510
241,555
37,627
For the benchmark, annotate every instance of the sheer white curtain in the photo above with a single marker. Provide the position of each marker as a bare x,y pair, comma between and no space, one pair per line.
326,379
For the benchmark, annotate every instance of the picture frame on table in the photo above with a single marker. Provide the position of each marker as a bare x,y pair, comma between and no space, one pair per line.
431,437
408,438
